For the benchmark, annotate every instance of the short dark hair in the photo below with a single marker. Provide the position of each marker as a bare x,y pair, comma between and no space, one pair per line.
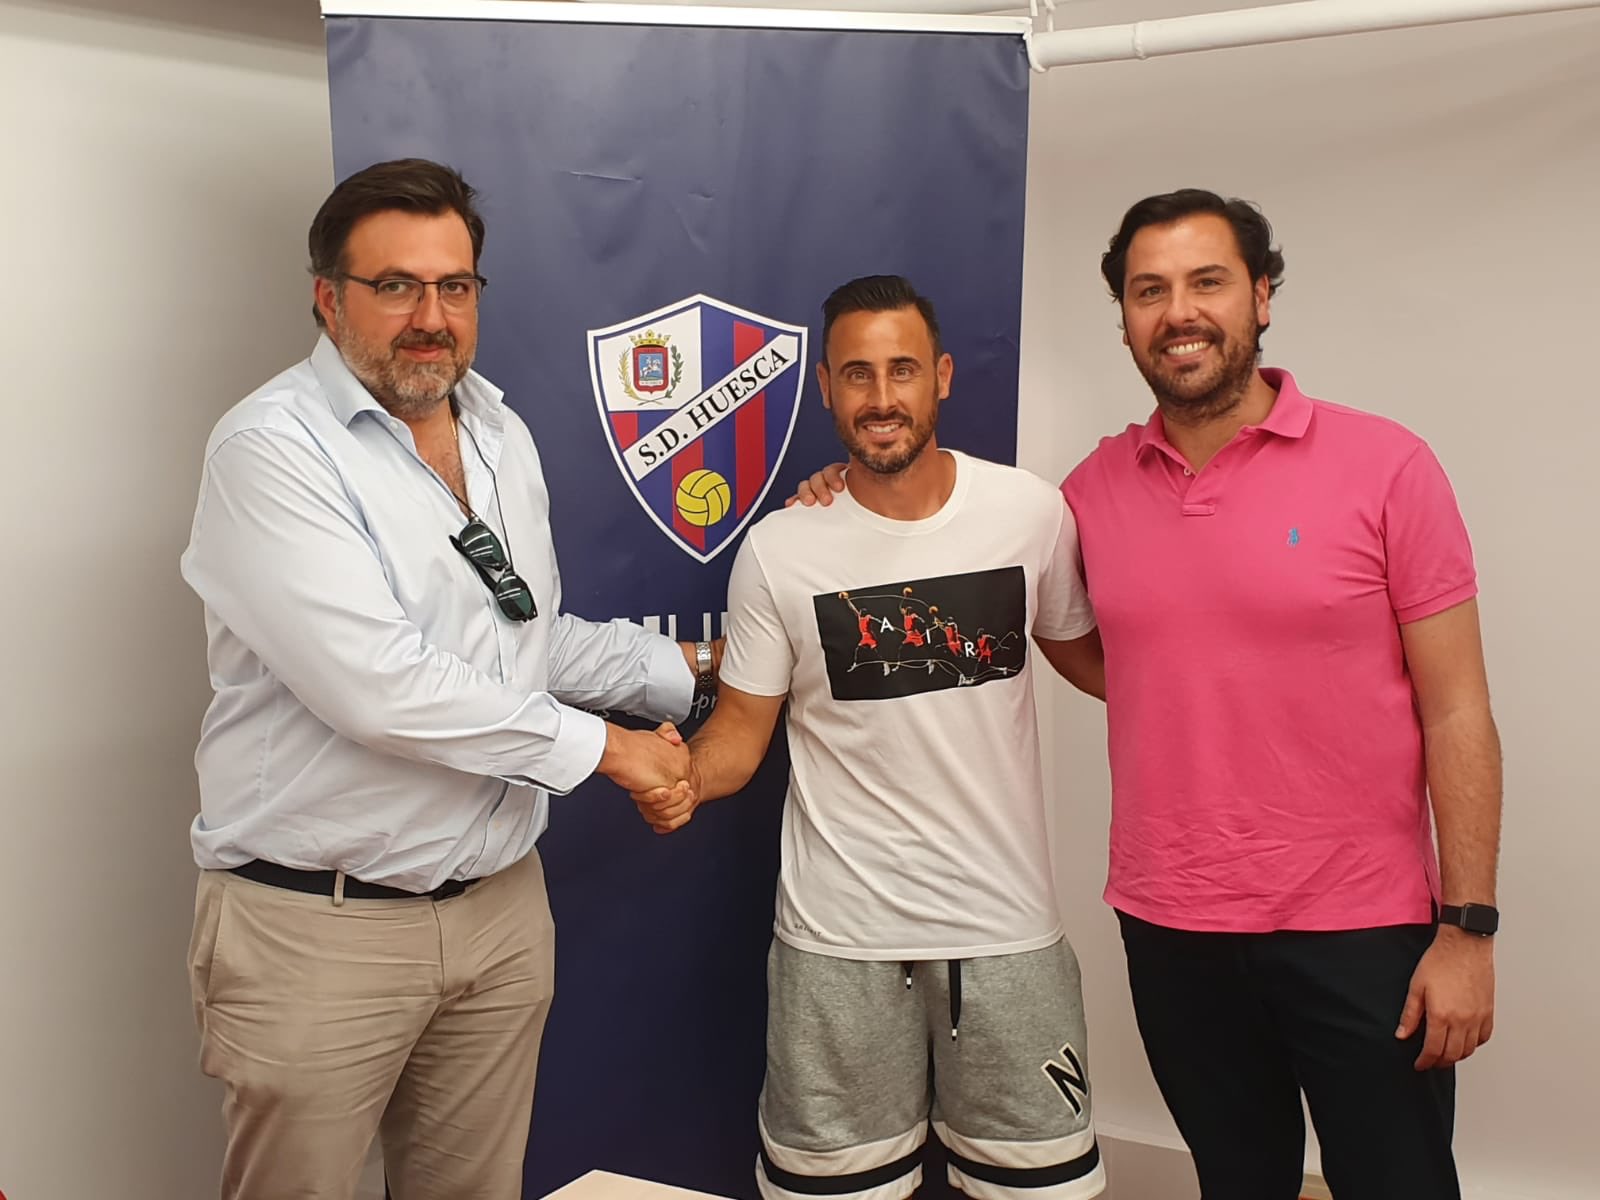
877,293
413,185
1250,229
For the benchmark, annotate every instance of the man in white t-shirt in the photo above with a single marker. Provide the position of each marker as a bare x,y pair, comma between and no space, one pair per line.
919,969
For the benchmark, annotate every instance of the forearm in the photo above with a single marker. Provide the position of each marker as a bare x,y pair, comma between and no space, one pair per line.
375,681
1081,662
1087,677
1464,784
725,756
619,665
294,587
420,703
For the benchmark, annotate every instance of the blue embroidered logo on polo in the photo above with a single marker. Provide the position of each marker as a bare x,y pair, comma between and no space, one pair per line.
1294,536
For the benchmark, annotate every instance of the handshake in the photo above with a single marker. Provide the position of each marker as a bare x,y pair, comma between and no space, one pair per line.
655,769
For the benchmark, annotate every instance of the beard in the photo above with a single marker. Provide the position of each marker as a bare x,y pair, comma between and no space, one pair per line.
887,460
1200,393
406,389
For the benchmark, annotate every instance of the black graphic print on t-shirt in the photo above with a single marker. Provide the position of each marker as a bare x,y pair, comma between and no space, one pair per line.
913,636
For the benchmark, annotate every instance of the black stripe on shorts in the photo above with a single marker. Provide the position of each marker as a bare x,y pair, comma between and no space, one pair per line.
1029,1177
839,1185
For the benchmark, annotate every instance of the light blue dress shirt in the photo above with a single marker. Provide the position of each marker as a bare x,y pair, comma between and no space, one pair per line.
375,712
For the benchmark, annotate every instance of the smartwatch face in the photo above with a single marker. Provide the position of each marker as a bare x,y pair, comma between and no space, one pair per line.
1476,919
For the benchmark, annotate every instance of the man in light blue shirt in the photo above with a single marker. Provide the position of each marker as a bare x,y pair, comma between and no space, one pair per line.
397,694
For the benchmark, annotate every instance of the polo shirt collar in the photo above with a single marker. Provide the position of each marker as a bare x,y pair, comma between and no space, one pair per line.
1152,435
1290,416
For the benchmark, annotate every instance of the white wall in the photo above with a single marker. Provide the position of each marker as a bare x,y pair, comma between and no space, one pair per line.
163,159
1435,193
159,177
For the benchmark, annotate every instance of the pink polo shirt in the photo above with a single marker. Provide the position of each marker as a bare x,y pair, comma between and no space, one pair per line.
1266,757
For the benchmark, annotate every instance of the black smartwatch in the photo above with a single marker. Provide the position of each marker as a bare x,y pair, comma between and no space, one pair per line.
705,679
1481,919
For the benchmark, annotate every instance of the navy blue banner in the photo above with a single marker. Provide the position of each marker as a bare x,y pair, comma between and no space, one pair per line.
667,207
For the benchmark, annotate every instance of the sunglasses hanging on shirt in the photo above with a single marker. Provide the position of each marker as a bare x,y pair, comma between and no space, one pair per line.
480,547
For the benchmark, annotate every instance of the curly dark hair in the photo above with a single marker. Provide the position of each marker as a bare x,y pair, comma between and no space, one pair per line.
1250,229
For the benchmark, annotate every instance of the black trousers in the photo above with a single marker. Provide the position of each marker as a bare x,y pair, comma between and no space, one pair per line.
1237,1025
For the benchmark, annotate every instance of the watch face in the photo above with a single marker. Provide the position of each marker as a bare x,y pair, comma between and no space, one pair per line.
1479,918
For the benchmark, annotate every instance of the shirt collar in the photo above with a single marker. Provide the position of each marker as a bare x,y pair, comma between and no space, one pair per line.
348,396
1290,416
1152,436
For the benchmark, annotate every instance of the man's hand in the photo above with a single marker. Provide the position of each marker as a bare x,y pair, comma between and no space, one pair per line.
820,487
641,761
1453,990
666,809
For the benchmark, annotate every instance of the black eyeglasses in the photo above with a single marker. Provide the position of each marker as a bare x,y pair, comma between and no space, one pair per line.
480,547
402,294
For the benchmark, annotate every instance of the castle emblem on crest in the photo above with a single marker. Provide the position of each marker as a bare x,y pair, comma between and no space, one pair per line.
643,369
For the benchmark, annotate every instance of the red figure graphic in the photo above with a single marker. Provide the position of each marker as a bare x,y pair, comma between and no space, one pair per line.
867,639
985,648
952,638
913,634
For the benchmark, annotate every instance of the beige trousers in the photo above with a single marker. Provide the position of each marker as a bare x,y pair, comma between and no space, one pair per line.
415,1020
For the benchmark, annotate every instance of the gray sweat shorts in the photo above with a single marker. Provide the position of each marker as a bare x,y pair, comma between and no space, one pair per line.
861,1056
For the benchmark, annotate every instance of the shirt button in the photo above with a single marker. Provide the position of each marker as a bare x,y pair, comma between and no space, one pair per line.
1187,471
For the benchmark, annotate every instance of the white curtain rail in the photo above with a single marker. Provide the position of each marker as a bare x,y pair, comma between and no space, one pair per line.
1261,26
1108,43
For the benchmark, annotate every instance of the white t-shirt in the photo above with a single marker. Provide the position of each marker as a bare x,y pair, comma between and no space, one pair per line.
914,826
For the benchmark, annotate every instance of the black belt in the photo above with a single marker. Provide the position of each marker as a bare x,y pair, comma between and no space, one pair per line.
320,883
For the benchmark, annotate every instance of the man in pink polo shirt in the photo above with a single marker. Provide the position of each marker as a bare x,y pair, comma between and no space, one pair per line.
1286,596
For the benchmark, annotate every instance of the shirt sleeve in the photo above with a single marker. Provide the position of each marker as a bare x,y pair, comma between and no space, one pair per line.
280,556
1429,555
758,657
617,664
1064,609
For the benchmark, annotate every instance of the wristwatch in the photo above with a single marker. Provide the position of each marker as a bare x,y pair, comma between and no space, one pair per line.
1481,919
705,679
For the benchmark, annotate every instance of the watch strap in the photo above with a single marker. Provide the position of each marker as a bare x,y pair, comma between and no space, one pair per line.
1481,919
705,679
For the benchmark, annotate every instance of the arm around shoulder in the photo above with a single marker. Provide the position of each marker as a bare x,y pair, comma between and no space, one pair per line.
1081,661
